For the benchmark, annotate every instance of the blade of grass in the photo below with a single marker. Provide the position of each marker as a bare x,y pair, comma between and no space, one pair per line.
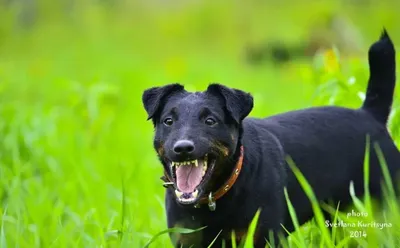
172,230
386,174
334,221
357,202
3,241
283,242
252,229
123,204
293,239
233,239
367,195
344,242
391,198
314,202
295,221
215,239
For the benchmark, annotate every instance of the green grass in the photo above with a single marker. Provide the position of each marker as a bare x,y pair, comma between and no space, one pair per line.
77,167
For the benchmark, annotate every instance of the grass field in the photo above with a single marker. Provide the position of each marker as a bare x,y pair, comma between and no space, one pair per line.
77,168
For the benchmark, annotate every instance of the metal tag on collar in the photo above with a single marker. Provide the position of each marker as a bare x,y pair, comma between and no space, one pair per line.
211,203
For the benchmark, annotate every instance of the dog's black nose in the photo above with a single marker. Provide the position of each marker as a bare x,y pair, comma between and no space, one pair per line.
183,147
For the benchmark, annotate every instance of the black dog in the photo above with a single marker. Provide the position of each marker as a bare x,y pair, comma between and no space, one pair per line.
212,155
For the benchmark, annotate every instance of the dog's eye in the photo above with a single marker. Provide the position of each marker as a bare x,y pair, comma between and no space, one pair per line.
210,121
168,121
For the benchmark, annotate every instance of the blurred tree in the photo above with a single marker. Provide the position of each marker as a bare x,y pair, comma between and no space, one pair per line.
26,11
331,30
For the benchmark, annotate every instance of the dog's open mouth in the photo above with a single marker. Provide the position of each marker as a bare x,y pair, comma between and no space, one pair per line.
190,178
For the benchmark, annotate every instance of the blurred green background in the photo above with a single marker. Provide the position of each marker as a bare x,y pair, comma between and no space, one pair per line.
77,167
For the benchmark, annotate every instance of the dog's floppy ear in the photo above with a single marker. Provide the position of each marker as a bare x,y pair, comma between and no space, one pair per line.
152,97
238,103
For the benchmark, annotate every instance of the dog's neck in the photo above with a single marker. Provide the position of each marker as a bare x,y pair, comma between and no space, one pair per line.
229,166
232,166
227,185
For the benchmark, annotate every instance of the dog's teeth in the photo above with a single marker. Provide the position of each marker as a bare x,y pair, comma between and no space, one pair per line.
172,164
194,194
196,163
178,193
203,173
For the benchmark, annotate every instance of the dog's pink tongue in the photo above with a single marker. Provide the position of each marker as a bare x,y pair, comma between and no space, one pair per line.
188,177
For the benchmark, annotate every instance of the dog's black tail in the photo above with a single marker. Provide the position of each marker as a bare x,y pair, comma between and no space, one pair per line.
382,80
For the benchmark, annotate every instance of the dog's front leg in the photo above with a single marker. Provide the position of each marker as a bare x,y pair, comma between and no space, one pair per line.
269,230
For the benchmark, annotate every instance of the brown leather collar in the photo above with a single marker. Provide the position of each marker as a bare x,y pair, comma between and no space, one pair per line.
223,189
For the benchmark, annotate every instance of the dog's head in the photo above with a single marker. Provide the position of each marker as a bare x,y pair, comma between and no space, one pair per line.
196,134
